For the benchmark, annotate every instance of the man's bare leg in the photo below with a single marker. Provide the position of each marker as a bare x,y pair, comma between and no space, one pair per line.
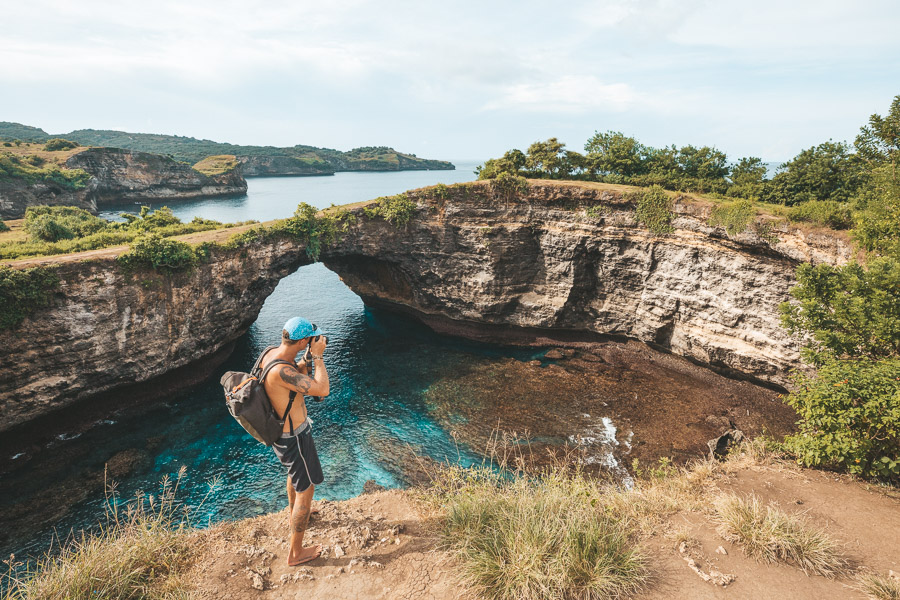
291,495
299,520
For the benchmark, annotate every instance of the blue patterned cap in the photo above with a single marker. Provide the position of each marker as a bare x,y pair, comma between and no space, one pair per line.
299,328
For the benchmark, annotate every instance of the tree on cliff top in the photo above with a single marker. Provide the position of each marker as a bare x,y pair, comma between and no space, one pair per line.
614,152
879,142
546,158
828,171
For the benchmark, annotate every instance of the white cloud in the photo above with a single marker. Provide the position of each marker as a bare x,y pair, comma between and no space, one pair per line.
667,67
569,94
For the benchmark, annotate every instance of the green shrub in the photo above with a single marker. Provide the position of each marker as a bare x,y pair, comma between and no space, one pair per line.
48,229
850,417
441,192
306,226
508,186
149,219
314,231
530,538
23,291
824,213
55,144
151,251
3,226
397,210
54,223
850,409
595,212
654,209
734,217
847,312
877,218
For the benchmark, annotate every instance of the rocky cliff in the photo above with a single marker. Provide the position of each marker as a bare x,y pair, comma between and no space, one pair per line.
108,329
274,166
120,176
125,176
492,265
535,268
17,194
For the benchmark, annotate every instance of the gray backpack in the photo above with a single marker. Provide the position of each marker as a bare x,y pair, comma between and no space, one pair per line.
248,403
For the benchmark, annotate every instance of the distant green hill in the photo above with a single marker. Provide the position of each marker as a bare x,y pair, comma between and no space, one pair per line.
258,160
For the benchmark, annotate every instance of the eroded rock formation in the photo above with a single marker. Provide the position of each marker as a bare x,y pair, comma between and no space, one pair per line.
120,176
126,176
17,194
108,329
277,166
494,266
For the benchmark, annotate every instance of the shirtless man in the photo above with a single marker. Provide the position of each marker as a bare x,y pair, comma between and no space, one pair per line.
296,449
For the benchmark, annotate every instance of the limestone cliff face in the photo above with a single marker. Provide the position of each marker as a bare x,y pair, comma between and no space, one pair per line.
108,329
16,195
126,175
492,266
276,166
396,162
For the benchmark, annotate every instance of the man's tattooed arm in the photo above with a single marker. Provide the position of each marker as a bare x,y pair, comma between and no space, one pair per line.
296,380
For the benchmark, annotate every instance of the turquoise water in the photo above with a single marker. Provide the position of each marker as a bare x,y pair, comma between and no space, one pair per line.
379,364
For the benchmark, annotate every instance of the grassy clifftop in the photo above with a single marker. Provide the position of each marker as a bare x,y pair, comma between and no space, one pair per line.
192,150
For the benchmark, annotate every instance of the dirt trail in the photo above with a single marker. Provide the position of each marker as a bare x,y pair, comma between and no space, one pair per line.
384,545
216,235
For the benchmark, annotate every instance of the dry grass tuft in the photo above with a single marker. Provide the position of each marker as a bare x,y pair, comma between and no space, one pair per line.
879,587
144,550
770,535
529,538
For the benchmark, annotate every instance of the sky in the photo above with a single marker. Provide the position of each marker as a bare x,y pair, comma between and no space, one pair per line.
455,80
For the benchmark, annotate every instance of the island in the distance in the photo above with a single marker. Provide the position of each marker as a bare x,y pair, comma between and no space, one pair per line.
256,160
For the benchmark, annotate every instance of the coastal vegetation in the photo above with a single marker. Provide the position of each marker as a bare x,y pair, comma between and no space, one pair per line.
654,209
56,144
544,536
64,229
397,210
23,291
34,168
216,165
556,533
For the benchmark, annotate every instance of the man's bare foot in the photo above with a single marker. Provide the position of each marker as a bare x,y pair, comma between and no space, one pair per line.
306,555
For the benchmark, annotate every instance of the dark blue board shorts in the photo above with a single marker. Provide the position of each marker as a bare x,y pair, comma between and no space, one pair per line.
297,451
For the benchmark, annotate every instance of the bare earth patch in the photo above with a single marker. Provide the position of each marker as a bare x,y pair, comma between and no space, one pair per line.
379,545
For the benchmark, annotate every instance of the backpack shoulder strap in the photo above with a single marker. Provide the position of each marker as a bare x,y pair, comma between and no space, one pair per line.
255,368
274,363
292,395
